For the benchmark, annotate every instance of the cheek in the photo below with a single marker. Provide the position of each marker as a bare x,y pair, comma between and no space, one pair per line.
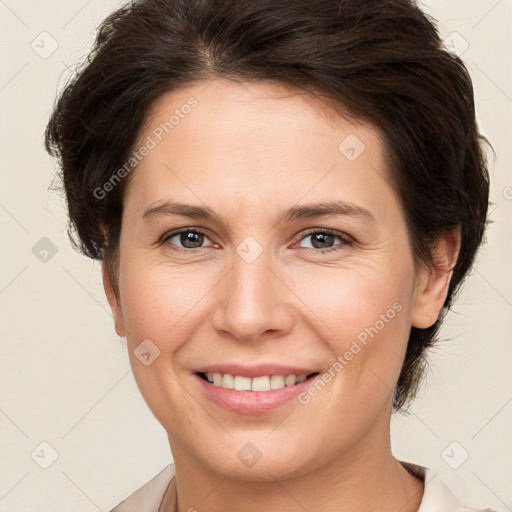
362,314
355,302
160,303
158,300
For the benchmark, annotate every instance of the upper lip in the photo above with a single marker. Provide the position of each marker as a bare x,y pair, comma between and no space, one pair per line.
255,370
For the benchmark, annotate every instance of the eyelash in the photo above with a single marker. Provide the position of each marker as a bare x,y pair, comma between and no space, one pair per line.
346,240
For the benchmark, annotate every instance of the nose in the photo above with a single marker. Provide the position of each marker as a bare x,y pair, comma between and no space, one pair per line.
253,301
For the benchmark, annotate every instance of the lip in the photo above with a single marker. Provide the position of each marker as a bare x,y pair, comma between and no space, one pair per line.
259,370
253,402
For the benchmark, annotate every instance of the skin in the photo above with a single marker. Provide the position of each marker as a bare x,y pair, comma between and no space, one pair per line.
249,152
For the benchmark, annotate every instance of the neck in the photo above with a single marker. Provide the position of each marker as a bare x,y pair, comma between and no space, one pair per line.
369,480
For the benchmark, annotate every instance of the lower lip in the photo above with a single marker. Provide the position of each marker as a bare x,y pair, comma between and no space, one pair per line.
253,402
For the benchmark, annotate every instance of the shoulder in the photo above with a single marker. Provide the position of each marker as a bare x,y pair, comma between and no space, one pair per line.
148,497
437,497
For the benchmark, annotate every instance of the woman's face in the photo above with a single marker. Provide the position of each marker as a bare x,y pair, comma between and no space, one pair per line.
293,259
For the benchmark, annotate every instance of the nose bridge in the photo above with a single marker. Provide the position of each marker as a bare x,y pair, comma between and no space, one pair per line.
253,300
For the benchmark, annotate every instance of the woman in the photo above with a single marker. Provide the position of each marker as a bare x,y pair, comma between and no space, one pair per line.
285,196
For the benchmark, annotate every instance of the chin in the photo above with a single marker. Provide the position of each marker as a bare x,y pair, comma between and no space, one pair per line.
256,457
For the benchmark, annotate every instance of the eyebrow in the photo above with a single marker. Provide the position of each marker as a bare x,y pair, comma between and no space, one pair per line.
296,212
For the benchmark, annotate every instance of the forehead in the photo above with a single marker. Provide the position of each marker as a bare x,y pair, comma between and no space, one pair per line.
253,139
254,104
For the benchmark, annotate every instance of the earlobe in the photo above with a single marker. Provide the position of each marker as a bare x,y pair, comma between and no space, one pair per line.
433,282
113,300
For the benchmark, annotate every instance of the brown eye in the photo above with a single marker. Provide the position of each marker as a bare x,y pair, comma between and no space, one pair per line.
322,240
326,239
186,239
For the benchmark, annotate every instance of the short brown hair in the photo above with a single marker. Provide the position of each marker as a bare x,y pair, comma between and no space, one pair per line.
380,60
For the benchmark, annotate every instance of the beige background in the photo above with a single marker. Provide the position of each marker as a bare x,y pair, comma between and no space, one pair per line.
65,378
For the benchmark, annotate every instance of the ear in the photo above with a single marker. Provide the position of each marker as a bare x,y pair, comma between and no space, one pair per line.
113,300
433,281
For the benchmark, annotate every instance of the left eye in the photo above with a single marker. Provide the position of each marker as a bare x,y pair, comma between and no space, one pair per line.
324,239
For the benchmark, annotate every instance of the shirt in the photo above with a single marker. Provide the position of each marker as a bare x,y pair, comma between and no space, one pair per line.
148,498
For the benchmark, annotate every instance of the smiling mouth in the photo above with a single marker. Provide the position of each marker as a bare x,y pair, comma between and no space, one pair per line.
263,383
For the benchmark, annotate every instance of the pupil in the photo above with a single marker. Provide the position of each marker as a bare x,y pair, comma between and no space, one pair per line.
323,238
190,240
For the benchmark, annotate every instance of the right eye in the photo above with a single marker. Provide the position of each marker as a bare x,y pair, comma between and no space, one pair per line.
190,239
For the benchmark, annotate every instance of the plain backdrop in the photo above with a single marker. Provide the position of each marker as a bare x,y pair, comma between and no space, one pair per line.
75,433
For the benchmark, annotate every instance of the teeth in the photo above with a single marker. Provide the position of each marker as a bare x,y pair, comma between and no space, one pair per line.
227,381
290,380
242,383
264,383
259,384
